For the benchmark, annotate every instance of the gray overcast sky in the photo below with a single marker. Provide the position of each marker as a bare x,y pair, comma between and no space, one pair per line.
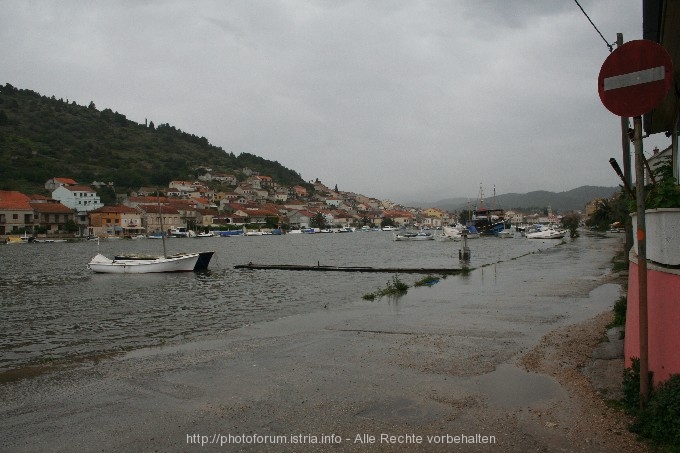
407,100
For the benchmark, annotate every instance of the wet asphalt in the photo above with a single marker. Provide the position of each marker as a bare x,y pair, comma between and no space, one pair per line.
384,375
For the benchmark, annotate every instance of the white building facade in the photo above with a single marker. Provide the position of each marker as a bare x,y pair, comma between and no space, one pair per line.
80,198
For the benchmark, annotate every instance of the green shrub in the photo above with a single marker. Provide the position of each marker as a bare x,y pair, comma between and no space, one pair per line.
393,288
631,386
660,421
620,312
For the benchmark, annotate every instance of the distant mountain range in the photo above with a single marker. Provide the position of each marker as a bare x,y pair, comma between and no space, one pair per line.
571,200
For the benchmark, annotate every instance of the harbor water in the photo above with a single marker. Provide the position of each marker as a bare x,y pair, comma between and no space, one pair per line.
55,310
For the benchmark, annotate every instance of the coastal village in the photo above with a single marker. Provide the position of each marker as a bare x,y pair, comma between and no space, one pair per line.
74,209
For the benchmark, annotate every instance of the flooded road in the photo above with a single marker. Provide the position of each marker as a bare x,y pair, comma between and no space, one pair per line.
436,363
55,309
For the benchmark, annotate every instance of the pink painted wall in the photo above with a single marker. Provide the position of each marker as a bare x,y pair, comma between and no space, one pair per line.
663,312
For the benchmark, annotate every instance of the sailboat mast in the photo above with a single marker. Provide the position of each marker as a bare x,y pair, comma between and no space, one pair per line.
160,215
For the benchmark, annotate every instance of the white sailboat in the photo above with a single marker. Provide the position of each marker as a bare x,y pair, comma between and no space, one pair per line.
185,262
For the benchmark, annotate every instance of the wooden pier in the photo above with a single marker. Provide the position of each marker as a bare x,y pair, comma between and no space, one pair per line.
322,268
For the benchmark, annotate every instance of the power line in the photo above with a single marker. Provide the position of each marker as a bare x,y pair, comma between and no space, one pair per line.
609,46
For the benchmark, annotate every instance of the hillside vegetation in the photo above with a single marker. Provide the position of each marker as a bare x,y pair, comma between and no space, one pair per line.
43,137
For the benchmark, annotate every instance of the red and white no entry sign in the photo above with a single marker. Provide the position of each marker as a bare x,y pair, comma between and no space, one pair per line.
635,78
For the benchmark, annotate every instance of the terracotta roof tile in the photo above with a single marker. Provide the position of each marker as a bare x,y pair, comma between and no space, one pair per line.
51,208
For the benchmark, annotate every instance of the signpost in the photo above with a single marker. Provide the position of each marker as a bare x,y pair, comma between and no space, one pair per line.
633,80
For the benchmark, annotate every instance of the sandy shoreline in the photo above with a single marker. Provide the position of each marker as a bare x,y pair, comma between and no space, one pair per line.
471,359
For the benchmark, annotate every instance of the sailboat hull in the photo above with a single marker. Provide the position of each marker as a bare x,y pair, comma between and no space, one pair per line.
202,263
184,263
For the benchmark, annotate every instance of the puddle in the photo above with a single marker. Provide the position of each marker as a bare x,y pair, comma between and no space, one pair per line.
511,387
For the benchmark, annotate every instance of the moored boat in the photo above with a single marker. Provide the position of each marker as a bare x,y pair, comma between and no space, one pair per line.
15,240
182,232
488,221
201,264
182,263
547,233
421,236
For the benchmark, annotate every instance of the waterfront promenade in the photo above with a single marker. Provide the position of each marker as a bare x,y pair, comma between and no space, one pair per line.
489,361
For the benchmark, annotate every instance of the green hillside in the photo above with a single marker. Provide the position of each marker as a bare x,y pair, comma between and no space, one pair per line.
43,137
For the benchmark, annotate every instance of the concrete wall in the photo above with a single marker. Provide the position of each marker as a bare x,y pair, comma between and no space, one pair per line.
663,312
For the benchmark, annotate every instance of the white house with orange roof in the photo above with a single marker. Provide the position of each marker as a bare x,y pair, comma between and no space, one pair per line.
80,198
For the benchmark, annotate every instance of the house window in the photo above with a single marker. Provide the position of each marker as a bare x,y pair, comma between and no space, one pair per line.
15,216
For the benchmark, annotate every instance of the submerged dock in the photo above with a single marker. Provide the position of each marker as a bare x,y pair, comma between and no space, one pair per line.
323,268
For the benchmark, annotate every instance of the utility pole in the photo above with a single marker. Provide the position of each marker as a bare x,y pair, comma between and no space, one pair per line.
642,261
627,174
